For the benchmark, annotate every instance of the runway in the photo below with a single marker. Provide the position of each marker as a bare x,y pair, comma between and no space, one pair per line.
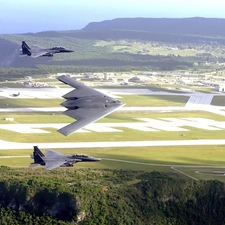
7,145
31,92
188,107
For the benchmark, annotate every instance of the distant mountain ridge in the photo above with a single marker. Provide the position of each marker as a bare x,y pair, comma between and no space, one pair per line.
182,33
194,25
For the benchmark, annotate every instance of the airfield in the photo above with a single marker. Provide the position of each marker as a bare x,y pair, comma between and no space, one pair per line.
178,131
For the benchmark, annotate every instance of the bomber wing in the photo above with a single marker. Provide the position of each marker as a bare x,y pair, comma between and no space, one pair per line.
83,117
81,89
100,105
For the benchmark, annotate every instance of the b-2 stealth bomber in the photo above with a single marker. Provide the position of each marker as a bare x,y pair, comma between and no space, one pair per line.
54,159
38,51
86,105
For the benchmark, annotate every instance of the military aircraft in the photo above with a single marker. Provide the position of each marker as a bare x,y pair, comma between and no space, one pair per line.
54,159
38,51
85,104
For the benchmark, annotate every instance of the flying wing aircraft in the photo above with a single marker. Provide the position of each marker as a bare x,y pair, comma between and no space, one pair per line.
54,159
86,105
38,51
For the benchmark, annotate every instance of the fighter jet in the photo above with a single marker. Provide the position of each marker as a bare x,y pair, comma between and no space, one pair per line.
38,51
86,105
54,159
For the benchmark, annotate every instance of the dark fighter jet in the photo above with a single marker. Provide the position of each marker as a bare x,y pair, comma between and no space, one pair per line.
85,104
38,51
54,159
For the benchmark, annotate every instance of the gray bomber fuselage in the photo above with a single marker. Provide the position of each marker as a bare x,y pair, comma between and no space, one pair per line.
91,102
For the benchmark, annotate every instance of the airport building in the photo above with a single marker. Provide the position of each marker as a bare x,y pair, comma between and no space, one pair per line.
219,87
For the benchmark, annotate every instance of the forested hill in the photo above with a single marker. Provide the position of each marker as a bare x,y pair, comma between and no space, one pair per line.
121,45
193,26
86,196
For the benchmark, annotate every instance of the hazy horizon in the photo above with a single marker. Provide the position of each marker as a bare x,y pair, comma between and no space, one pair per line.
26,16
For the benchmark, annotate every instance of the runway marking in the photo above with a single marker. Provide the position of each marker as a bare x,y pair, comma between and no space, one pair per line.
193,178
145,125
173,167
14,156
165,165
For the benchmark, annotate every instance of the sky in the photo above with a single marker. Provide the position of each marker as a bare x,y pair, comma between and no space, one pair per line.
22,16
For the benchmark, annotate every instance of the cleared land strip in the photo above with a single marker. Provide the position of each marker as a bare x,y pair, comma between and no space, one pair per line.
6,145
200,99
164,165
178,171
173,167
14,156
189,107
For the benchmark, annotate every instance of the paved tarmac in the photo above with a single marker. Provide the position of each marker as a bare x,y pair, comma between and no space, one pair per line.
7,145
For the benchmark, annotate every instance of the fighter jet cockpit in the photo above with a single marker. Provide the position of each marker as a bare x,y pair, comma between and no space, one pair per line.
80,155
58,48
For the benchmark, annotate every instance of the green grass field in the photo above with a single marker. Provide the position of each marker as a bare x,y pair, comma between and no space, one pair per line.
145,48
116,117
129,100
10,85
218,101
158,158
29,102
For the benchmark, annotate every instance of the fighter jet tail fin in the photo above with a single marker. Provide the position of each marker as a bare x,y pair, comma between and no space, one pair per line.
37,155
25,48
36,149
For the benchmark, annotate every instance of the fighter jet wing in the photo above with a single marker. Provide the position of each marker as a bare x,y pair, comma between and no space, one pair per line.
84,117
53,154
38,54
51,164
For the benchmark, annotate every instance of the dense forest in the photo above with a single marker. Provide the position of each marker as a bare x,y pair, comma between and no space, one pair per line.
88,196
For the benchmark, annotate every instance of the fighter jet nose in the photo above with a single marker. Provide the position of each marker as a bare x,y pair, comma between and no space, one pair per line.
97,159
66,50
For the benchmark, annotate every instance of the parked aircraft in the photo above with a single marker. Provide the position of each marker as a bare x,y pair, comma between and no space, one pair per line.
86,105
38,51
54,159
